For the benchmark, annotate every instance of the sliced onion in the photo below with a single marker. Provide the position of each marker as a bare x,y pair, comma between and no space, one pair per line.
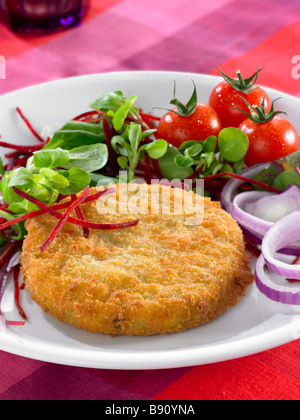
292,250
273,207
267,286
246,219
261,202
259,210
283,233
231,187
277,230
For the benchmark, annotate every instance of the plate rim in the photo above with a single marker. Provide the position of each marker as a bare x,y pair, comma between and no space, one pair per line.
151,359
137,72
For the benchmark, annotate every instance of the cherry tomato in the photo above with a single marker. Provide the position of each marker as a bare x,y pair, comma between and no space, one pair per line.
269,141
226,98
176,129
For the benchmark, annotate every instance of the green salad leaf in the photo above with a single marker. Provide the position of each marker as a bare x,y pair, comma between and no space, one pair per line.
233,144
45,185
2,169
52,158
169,167
18,229
118,107
89,158
121,114
78,180
156,149
128,146
21,177
52,179
285,179
282,172
209,157
109,102
69,139
83,126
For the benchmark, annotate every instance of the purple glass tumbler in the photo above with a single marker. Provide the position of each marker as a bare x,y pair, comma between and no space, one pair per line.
43,16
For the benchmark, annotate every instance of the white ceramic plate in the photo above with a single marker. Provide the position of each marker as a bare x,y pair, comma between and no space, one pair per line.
255,325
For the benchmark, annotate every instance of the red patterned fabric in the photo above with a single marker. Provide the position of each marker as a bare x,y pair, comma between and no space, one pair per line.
161,35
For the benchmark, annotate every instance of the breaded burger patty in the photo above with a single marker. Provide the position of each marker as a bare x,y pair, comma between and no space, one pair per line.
167,274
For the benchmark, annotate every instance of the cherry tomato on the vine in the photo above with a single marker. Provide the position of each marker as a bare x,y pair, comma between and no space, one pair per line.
269,141
176,129
270,135
227,102
191,121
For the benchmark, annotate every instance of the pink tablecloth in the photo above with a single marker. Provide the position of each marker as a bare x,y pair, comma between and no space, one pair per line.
193,36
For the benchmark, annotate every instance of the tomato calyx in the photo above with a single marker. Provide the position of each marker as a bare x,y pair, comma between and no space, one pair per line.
258,114
240,84
184,110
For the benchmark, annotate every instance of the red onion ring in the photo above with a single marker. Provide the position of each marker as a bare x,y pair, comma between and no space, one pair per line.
280,237
230,188
246,219
273,207
292,250
255,228
286,231
275,292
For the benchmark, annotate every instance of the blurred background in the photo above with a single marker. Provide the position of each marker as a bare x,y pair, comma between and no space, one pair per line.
113,35
41,16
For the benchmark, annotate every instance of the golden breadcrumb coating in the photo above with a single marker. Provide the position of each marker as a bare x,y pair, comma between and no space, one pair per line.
162,276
